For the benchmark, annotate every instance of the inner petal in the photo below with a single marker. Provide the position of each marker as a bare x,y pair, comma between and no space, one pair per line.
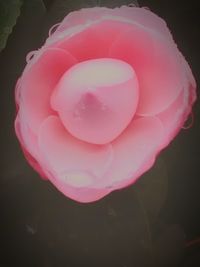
97,99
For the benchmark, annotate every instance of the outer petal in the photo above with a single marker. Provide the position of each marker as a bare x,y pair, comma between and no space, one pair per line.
29,144
140,15
189,78
83,195
157,66
94,40
172,117
176,114
145,17
134,152
37,83
72,161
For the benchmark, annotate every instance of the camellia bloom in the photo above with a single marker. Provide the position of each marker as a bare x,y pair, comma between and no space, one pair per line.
104,95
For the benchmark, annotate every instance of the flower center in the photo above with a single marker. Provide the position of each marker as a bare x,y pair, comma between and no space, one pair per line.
97,99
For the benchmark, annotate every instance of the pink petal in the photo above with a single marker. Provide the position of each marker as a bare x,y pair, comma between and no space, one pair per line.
134,152
68,157
82,16
94,41
144,17
29,144
105,96
157,66
83,195
38,82
188,73
172,116
140,15
177,113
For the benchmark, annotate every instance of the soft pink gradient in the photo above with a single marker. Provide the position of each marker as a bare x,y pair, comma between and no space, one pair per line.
97,103
88,96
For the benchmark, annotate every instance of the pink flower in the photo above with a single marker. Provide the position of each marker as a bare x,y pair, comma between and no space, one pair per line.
98,102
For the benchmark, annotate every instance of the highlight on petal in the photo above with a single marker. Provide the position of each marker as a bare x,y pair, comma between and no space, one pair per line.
38,82
67,157
157,66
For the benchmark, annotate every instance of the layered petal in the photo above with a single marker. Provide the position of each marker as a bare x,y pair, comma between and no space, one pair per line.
80,194
38,82
133,152
157,66
142,16
74,162
177,113
29,144
188,76
174,117
97,99
93,40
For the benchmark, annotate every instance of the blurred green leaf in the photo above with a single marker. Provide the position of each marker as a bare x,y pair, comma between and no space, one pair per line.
9,12
151,190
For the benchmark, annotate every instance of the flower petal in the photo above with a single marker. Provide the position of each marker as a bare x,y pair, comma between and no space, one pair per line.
140,15
188,72
82,16
172,116
157,66
38,82
29,144
145,17
94,41
83,195
67,157
104,96
134,151
176,114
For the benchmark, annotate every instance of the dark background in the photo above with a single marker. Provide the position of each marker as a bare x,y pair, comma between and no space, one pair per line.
151,223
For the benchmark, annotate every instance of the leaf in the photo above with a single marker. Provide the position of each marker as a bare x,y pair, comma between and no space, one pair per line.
9,12
151,190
